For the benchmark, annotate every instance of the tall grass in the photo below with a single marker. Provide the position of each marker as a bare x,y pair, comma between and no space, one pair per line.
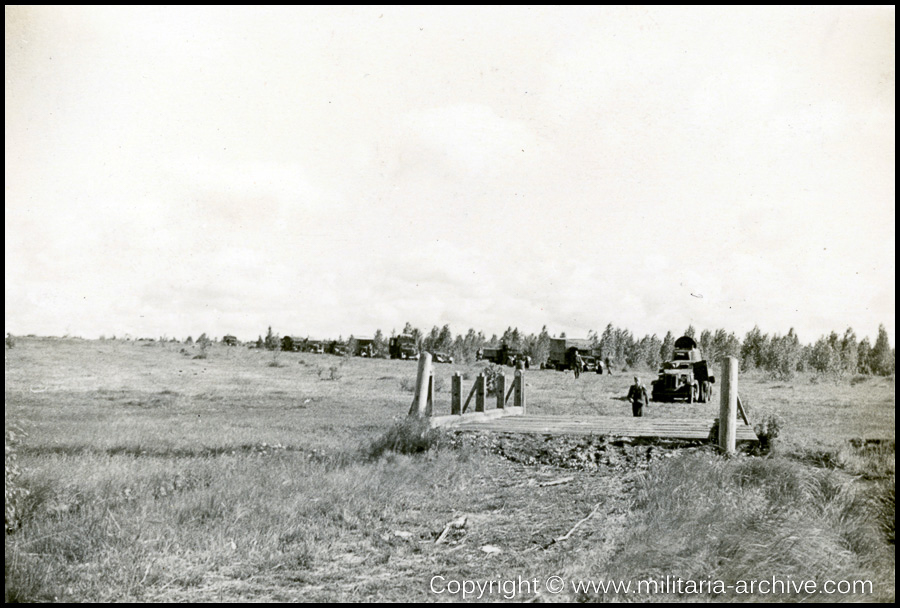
702,517
113,527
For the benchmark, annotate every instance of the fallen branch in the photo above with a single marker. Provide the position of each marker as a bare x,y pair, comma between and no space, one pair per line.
575,527
459,522
555,482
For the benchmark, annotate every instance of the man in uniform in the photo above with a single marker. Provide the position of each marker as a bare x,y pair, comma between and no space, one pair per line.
637,394
578,364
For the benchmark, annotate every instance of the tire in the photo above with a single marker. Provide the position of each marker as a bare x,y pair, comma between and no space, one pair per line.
692,396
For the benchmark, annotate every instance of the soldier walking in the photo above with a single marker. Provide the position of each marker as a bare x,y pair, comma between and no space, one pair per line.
637,394
579,364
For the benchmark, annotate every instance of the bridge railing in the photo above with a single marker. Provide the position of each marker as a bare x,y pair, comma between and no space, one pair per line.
423,400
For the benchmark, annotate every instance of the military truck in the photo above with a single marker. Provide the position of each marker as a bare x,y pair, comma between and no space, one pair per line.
503,355
364,347
563,351
686,377
312,346
403,347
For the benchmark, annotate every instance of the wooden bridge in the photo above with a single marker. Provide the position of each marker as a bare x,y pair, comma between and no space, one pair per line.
514,418
601,426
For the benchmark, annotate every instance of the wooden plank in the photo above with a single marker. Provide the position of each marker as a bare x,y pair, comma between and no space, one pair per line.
469,398
458,420
741,411
674,428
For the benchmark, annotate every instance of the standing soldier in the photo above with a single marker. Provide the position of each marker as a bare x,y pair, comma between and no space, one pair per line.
608,367
579,364
637,394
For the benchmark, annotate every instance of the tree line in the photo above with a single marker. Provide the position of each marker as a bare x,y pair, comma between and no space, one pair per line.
779,355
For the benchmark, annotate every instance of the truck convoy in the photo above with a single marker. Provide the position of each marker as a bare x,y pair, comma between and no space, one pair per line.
563,351
686,377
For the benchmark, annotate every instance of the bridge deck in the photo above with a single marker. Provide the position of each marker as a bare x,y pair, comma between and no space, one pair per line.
663,428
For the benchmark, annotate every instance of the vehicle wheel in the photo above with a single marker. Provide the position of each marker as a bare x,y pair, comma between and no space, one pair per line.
692,396
707,392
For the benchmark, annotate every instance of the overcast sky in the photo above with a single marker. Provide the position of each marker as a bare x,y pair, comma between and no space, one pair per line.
333,171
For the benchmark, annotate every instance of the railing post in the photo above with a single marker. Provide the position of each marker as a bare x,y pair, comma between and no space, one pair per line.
479,393
419,405
728,406
429,407
520,389
500,388
456,394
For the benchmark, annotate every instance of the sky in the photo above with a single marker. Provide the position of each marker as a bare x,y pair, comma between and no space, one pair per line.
332,171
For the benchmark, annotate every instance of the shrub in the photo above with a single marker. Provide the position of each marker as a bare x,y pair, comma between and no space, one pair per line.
332,373
491,373
10,340
410,436
767,430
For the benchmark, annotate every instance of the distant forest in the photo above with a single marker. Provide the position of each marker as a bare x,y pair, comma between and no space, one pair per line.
781,356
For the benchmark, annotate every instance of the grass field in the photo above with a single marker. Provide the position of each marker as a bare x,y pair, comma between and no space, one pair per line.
153,475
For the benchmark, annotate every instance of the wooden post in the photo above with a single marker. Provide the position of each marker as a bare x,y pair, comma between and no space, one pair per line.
419,405
728,406
520,389
429,406
500,389
456,394
479,393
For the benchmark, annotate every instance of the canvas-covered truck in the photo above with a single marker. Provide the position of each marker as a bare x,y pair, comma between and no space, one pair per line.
563,351
686,377
503,355
403,347
363,347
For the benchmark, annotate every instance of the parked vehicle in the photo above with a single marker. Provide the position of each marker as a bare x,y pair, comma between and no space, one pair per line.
441,358
365,347
563,351
503,355
686,377
403,347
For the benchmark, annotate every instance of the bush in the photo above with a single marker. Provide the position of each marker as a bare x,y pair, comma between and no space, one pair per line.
332,373
491,373
858,379
410,436
767,430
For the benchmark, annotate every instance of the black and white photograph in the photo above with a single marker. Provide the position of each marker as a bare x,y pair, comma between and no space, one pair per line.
449,304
